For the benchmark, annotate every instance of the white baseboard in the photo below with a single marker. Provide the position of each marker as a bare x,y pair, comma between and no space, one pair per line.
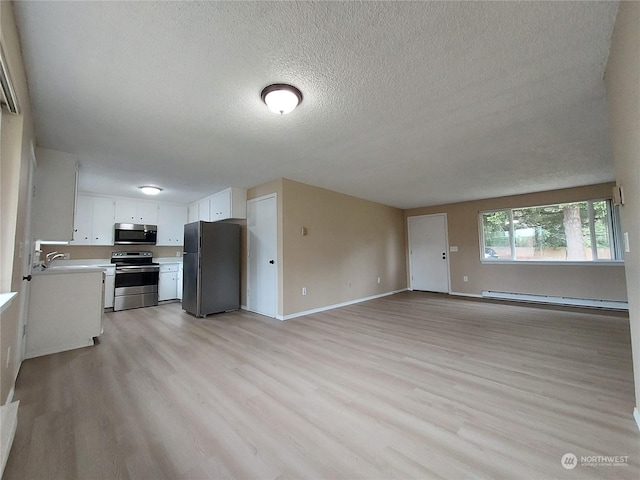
244,307
9,420
460,294
636,415
337,305
569,301
77,343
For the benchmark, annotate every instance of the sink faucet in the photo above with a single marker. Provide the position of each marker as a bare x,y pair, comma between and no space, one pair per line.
51,257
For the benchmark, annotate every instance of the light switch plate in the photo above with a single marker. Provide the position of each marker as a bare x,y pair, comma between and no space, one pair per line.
626,242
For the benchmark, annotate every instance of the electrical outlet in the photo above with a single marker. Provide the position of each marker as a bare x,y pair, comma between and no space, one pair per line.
304,290
465,278
67,256
178,254
379,280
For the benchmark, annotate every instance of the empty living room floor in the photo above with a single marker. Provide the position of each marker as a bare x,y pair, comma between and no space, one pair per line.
413,385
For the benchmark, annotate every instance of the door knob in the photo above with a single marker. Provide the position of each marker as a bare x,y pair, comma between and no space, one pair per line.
272,262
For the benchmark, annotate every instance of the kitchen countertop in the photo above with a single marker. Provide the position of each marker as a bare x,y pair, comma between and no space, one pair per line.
65,270
84,263
165,260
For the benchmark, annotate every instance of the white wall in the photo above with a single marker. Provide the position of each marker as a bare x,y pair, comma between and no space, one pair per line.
622,79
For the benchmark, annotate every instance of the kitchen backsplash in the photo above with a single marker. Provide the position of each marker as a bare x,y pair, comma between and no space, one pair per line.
87,251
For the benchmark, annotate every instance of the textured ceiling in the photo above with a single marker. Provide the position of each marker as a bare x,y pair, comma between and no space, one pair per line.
406,104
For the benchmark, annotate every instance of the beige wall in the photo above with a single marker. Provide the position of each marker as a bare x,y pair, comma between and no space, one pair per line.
349,244
622,80
587,281
16,143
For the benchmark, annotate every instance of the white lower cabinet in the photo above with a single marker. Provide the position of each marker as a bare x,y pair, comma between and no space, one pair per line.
65,310
168,282
179,285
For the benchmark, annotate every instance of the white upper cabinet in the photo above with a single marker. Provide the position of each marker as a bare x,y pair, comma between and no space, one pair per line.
95,217
229,203
83,221
126,211
204,209
133,211
94,221
221,206
103,220
192,213
147,213
171,220
200,210
54,195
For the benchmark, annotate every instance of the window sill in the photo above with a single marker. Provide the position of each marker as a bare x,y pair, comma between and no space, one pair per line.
603,263
6,299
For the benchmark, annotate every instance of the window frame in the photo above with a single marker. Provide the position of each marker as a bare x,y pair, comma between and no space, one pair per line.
615,239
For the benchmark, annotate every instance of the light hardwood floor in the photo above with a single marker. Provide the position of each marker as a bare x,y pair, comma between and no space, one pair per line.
414,385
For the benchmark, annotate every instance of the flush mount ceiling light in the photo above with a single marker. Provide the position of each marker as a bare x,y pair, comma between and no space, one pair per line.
149,190
281,98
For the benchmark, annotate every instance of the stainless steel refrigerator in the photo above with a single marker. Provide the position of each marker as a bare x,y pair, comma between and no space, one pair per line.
211,268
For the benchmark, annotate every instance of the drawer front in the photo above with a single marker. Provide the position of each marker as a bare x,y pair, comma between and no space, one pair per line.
173,267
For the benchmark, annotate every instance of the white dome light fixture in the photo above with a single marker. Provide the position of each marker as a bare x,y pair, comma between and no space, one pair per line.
149,190
281,98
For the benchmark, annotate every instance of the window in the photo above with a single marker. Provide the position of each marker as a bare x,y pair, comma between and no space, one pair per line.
565,232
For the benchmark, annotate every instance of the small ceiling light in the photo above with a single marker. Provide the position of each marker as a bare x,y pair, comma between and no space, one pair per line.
281,98
150,190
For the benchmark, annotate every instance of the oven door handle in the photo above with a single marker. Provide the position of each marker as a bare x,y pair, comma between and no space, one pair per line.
137,269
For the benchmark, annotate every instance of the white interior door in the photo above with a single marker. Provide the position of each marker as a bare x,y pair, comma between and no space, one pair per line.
428,253
262,246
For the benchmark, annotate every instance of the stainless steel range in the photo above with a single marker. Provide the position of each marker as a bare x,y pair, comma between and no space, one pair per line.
136,280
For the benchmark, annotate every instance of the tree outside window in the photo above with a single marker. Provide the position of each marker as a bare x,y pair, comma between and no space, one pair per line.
577,231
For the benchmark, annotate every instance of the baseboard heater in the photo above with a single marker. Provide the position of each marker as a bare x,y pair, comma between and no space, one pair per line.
568,301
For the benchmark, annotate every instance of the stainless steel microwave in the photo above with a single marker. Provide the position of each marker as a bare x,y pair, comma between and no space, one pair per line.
134,234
